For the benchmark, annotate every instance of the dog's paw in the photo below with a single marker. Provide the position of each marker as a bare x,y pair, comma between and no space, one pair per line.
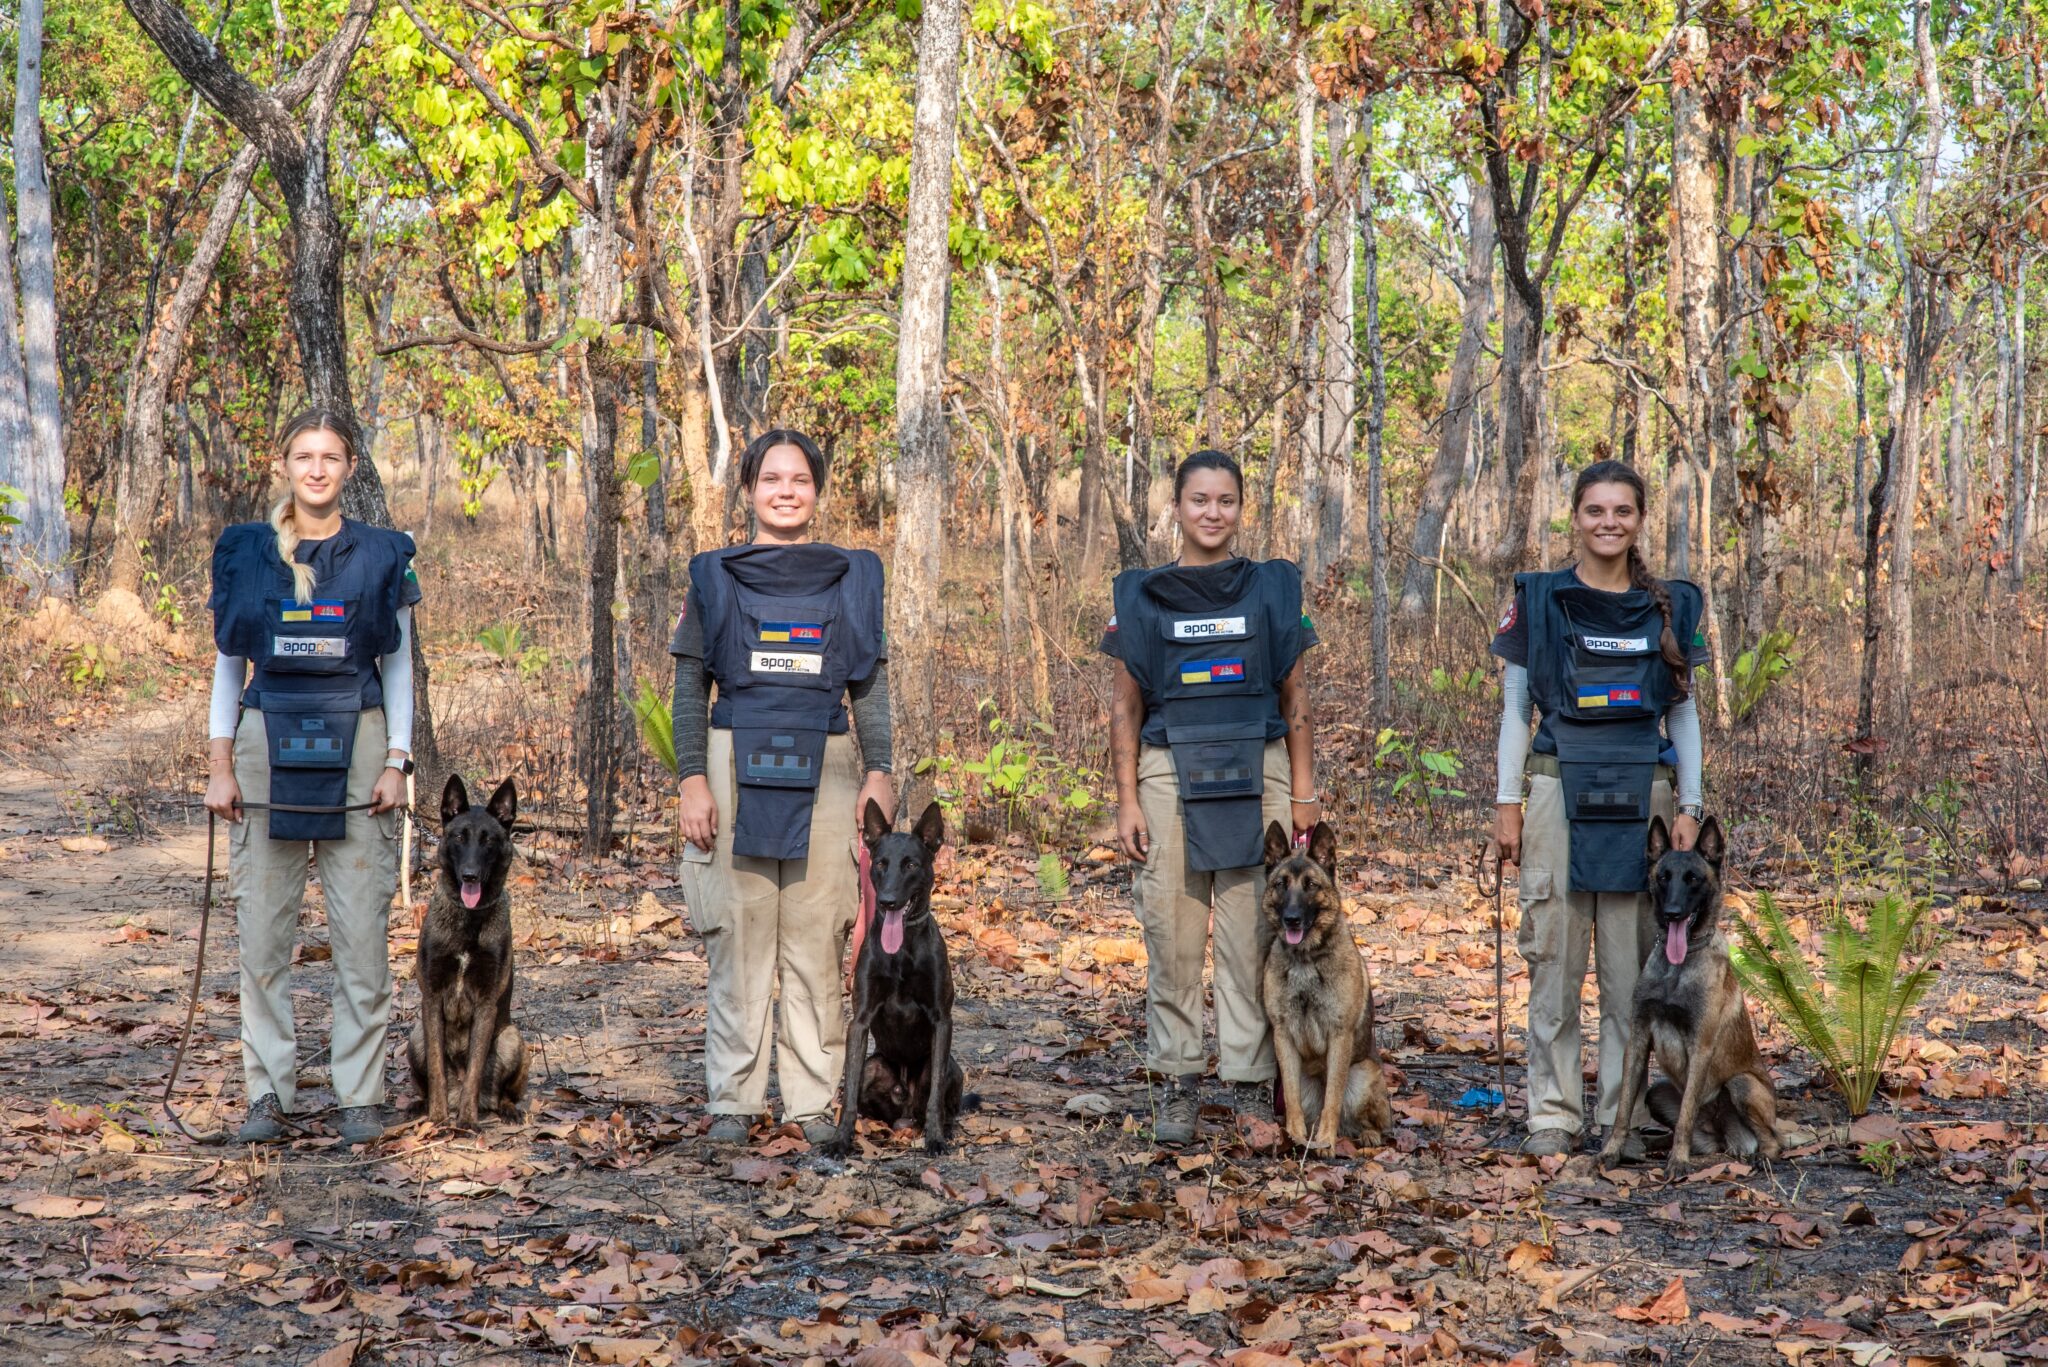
1297,1135
1677,1166
838,1146
1610,1158
437,1116
934,1143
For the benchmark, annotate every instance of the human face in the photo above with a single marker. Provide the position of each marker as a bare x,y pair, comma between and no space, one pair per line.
316,465
784,496
1208,511
1608,520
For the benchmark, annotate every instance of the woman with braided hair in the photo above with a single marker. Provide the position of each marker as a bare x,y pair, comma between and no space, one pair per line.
1596,647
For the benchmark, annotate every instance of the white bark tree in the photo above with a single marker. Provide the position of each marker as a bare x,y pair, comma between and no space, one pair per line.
45,534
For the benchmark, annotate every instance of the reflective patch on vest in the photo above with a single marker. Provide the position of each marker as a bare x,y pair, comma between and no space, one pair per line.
309,749
1201,629
1610,695
787,768
1212,671
768,662
310,647
1618,645
1218,782
792,631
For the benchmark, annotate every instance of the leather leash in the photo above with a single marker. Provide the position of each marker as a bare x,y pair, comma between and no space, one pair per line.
199,963
1500,1046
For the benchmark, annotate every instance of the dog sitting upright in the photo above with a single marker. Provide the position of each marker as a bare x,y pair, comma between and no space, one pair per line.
1318,998
902,994
464,968
1689,1009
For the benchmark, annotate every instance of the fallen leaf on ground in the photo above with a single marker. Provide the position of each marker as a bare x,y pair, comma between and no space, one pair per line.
1667,1307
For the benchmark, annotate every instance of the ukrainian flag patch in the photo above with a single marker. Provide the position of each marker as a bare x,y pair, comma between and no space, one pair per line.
1610,695
1212,671
792,632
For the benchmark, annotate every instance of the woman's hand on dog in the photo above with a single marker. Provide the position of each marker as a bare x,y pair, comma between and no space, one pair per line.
1131,832
699,812
1685,832
882,789
1507,832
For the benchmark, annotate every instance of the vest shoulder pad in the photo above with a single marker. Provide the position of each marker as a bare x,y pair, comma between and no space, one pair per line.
1284,576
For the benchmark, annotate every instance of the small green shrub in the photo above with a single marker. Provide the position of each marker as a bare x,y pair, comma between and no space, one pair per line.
1850,1013
657,724
506,640
1423,776
1052,875
1757,668
90,667
1020,774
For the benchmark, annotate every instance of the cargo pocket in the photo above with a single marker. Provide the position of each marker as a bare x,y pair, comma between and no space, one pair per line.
698,872
1540,937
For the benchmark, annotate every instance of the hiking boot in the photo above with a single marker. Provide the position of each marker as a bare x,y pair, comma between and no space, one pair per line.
1252,1099
1550,1143
728,1129
819,1131
361,1124
266,1122
1180,1114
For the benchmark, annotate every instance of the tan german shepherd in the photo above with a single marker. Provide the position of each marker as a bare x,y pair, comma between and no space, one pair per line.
1318,997
1689,1010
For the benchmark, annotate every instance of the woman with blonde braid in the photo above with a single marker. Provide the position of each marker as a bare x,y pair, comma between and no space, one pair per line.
312,713
1596,647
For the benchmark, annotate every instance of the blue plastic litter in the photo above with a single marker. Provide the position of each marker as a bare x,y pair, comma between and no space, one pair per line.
1480,1096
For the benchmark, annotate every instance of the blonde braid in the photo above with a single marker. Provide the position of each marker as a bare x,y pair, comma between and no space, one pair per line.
285,524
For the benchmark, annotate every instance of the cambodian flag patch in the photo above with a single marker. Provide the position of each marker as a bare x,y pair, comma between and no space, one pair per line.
329,610
792,631
1610,695
1212,671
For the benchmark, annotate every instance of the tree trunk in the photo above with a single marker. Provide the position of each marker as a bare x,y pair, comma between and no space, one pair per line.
921,436
1521,420
1329,485
597,729
1865,744
1212,317
1454,434
138,488
652,580
14,424
1375,427
2016,415
45,532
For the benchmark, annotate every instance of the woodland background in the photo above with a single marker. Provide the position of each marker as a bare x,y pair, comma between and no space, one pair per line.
1412,263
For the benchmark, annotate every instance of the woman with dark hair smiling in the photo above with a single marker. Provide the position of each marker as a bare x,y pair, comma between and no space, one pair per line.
1595,647
790,631
1211,738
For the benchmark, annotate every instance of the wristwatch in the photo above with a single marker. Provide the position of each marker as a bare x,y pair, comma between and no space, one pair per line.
404,766
1692,809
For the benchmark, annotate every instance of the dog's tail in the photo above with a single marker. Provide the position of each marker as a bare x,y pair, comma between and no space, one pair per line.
1663,1099
970,1101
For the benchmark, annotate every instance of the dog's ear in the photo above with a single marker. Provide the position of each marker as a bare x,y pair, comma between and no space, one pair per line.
1322,847
1660,839
504,804
1278,846
1712,844
931,828
454,799
873,825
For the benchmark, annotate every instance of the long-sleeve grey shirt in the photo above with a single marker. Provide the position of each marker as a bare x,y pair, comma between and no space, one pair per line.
690,707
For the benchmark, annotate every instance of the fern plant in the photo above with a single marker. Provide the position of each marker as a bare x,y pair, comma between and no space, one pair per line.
1849,1015
657,725
1757,668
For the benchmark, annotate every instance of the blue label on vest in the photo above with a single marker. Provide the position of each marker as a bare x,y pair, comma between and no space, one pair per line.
1610,695
1212,671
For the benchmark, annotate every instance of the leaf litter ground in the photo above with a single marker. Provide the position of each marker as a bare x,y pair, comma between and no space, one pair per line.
601,1230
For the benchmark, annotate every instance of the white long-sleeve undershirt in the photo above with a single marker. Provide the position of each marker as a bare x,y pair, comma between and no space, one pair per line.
231,672
1681,723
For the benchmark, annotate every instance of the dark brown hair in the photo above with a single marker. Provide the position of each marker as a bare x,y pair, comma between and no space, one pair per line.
758,449
1639,576
1206,459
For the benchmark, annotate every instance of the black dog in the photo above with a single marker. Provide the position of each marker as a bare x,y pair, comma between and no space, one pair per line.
902,994
465,967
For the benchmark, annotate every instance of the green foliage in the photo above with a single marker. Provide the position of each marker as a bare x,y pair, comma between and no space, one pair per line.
657,724
506,640
1883,1158
1849,1013
1762,665
9,496
1423,776
1020,774
1052,875
90,667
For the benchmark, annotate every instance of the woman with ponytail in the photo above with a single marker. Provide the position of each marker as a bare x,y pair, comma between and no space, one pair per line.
1597,649
312,718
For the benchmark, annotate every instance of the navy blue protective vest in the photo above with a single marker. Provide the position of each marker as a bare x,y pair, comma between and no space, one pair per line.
1599,679
315,663
786,628
1208,647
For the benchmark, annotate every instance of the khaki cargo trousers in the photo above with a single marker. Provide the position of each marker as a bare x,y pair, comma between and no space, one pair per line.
1557,924
267,879
1181,911
769,919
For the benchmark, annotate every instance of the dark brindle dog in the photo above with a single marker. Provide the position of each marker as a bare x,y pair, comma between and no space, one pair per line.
1318,997
902,994
465,1028
1689,1009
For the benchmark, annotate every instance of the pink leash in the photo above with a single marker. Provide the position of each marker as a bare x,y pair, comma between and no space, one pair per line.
867,913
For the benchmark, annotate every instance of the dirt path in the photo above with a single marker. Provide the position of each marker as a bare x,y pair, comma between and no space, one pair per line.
1054,1232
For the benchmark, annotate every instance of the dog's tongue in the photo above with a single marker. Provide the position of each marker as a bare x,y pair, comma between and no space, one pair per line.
1294,933
892,931
1674,940
472,893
